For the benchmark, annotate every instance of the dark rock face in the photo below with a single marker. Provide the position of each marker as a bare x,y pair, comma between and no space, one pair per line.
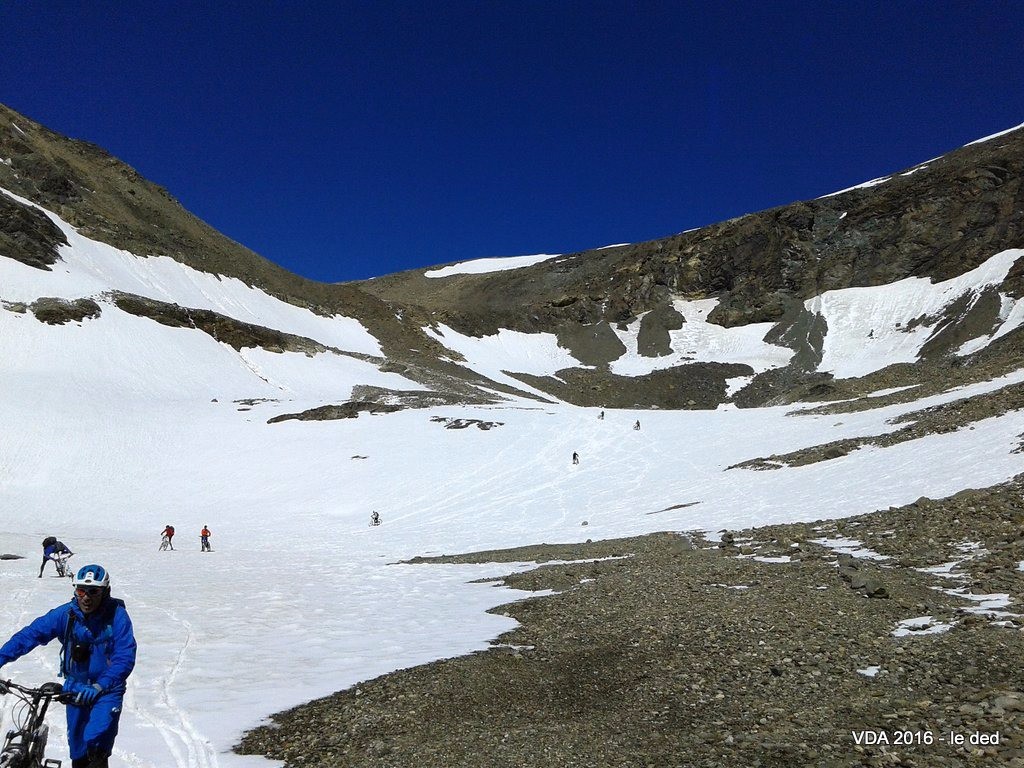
348,410
222,328
59,311
27,235
653,339
594,344
466,423
696,385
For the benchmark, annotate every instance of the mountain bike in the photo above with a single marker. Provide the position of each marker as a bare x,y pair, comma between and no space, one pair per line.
63,568
25,744
165,542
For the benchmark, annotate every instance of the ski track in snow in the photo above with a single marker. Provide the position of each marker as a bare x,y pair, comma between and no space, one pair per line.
188,747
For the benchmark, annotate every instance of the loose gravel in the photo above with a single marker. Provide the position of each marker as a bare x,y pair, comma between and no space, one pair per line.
833,643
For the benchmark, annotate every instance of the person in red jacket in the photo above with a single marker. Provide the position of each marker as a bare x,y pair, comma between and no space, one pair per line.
167,537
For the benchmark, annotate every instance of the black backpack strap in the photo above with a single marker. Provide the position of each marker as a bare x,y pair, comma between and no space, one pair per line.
66,642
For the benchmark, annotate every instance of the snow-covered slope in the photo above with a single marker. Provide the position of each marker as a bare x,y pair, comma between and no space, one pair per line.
115,426
870,328
118,354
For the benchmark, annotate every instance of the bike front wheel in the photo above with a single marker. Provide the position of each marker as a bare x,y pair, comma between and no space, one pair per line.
14,758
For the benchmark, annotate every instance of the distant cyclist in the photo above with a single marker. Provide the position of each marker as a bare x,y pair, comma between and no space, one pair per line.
97,655
56,551
167,537
204,539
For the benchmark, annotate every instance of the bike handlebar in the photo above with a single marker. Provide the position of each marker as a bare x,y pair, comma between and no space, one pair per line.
50,690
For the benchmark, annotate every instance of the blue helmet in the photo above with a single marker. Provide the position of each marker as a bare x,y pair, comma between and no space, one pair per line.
91,576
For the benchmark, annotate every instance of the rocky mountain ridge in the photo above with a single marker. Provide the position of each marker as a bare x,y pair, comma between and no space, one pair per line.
938,220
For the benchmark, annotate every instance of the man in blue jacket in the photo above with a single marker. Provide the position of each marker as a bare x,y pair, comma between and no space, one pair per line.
53,550
97,654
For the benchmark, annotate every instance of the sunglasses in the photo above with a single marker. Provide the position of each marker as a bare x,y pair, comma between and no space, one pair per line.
90,591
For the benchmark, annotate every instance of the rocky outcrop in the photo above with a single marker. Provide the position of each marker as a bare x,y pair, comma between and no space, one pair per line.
234,333
27,235
54,311
689,386
349,410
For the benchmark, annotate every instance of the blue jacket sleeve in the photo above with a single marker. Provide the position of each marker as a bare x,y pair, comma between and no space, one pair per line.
121,661
39,632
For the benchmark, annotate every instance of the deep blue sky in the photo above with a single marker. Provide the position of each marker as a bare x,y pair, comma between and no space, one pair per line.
345,140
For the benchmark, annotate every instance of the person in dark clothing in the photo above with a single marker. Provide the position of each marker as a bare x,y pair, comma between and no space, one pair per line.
575,458
97,654
53,550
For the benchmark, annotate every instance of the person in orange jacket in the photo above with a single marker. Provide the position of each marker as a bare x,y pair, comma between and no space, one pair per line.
204,537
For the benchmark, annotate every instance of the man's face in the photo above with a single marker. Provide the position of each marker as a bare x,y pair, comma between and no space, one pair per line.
89,598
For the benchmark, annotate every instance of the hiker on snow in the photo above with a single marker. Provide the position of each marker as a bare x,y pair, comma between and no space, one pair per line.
53,550
204,539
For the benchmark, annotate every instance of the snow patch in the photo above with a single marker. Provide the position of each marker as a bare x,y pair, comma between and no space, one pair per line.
851,547
921,625
505,352
494,264
701,341
871,328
